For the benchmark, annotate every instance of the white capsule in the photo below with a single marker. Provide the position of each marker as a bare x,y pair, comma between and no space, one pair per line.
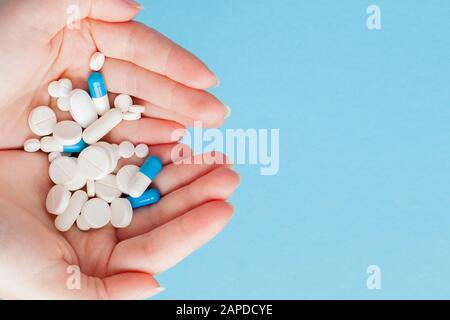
32,145
106,188
49,144
53,89
139,184
82,108
63,170
63,103
123,102
102,126
97,61
57,199
96,212
121,213
66,219
64,87
131,116
126,149
101,104
94,162
90,188
124,177
141,150
82,223
42,120
67,132
53,155
136,109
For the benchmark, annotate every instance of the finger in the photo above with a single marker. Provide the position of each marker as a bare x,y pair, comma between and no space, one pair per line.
167,245
179,174
147,130
145,47
154,111
216,185
44,18
125,77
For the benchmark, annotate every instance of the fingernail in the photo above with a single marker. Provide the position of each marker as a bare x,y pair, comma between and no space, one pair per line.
218,83
133,4
228,112
150,293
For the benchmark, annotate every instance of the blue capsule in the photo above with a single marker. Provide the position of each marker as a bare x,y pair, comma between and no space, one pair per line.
148,197
99,94
75,148
151,167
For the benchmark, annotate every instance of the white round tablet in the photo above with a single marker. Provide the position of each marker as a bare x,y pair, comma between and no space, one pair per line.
106,188
94,162
90,188
57,199
32,145
67,132
123,102
125,176
136,109
131,116
82,223
141,150
121,213
63,170
65,87
53,89
53,155
97,61
78,182
96,212
112,152
63,103
42,120
126,149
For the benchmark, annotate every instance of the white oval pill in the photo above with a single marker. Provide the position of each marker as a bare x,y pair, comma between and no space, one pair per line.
77,183
65,220
126,149
90,188
102,126
63,170
96,212
53,155
141,150
125,176
106,188
82,224
63,104
136,109
94,162
42,120
97,61
131,116
65,87
121,213
49,144
57,199
67,132
123,102
53,89
82,108
32,145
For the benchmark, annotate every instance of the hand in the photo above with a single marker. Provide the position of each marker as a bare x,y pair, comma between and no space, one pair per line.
115,264
38,47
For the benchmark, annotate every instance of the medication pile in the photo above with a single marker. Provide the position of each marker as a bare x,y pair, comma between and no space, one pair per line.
86,191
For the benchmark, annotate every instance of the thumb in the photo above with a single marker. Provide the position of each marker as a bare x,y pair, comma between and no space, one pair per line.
48,17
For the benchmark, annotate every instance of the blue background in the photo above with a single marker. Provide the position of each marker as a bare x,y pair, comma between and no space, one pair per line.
364,120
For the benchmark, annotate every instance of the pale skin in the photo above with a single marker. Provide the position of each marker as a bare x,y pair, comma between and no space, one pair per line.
37,48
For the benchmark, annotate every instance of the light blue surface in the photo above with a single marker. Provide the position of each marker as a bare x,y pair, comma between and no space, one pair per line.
364,119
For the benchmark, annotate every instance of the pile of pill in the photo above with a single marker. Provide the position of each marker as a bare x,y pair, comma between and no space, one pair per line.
88,183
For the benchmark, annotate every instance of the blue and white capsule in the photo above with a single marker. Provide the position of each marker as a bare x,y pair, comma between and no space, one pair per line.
142,180
147,198
49,144
99,93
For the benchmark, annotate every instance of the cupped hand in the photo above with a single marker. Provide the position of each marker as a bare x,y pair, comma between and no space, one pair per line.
39,262
39,44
